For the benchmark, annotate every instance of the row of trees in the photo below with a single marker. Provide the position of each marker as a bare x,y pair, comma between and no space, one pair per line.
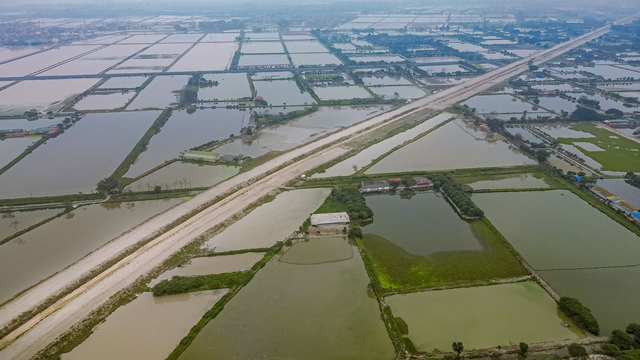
580,314
458,194
632,179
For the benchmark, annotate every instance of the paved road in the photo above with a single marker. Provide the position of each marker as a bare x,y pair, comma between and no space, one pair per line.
46,326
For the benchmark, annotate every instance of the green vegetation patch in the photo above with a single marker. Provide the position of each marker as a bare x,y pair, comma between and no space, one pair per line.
400,271
621,154
580,314
183,284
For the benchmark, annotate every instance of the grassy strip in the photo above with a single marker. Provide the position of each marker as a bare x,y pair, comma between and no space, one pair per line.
24,231
236,252
390,323
219,306
28,151
184,284
621,154
63,199
142,144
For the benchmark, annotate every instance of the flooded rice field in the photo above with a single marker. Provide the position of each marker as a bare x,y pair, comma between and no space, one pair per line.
523,132
77,159
184,131
181,38
331,293
263,60
184,175
41,94
272,75
385,80
485,104
213,265
124,82
338,116
320,59
369,154
230,87
482,317
563,131
608,292
575,234
400,92
455,145
341,92
271,222
161,93
147,328
518,181
207,56
12,52
13,222
305,47
38,254
262,47
282,92
43,60
11,148
424,225
104,101
96,61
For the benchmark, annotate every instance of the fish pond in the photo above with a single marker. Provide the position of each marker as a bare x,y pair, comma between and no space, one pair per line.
610,293
418,241
574,235
76,160
12,222
184,131
147,328
160,93
456,145
369,154
38,254
482,317
517,181
184,175
270,222
282,92
311,302
341,92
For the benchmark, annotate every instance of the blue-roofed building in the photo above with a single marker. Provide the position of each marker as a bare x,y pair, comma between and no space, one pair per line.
636,215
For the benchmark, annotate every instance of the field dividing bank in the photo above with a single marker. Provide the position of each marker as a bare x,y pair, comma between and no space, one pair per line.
56,319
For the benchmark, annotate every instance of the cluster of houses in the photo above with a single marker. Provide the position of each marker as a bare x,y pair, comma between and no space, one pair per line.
385,185
15,133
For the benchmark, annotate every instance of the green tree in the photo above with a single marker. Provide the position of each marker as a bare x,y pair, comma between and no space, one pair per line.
634,328
578,351
542,156
610,350
621,339
107,185
523,348
355,232
457,347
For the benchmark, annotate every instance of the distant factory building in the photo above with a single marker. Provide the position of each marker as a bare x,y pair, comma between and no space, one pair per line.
621,123
341,218
374,186
423,182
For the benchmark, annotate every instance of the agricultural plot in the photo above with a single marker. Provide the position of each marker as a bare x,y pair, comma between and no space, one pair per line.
420,242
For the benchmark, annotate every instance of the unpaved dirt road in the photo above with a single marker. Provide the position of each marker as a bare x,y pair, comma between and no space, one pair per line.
25,341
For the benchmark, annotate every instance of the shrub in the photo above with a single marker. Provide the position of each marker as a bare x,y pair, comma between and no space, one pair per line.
580,314
610,350
621,339
578,351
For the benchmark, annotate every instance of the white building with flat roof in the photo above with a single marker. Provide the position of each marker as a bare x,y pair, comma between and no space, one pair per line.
330,219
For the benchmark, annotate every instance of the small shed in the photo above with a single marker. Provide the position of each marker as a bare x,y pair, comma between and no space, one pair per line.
340,218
